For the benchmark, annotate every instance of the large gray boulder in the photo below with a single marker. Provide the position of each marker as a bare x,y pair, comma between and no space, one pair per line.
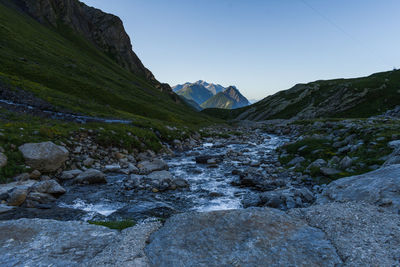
38,242
252,237
380,187
363,234
45,157
91,176
146,167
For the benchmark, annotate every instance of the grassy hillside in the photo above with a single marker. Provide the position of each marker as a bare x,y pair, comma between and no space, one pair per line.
340,98
67,71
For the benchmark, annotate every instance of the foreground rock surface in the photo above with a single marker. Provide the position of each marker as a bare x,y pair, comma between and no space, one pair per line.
252,237
38,242
46,156
380,187
363,235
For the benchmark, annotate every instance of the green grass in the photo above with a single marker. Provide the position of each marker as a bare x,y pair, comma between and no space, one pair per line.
66,70
117,225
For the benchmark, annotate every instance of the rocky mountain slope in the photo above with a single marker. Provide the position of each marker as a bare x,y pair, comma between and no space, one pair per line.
71,57
209,95
341,98
230,98
106,31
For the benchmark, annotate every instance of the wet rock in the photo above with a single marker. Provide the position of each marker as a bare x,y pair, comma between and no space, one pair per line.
145,209
251,237
91,176
204,159
38,242
49,187
146,167
35,198
46,157
180,183
370,187
3,160
68,175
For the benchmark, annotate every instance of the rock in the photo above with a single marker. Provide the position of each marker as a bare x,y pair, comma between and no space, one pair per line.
132,168
45,157
23,177
205,158
370,187
4,208
129,249
394,144
251,237
394,158
180,183
346,162
35,175
88,162
317,164
91,176
112,168
17,196
49,187
68,175
38,242
329,171
35,198
3,160
363,235
296,161
146,167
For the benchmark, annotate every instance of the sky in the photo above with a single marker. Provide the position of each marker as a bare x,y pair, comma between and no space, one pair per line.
260,46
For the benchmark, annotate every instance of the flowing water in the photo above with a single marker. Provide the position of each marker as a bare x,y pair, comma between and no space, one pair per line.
210,188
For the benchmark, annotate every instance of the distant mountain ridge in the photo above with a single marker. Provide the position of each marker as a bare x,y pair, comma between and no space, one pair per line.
230,98
210,95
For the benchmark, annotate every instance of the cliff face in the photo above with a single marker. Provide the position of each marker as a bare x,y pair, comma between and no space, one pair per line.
104,30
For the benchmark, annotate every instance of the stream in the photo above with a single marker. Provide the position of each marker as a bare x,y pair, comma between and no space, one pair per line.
210,186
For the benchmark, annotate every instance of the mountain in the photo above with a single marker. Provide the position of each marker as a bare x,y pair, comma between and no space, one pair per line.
196,92
202,91
78,58
230,98
340,98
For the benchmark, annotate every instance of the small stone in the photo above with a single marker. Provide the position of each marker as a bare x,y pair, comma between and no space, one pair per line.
155,190
17,196
35,175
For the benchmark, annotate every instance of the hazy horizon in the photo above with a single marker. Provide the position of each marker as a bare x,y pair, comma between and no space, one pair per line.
261,47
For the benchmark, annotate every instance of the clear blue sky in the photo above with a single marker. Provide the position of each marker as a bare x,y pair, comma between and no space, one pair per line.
261,46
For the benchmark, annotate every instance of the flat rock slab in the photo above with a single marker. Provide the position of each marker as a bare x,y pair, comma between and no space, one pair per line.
380,187
38,242
128,249
251,237
363,234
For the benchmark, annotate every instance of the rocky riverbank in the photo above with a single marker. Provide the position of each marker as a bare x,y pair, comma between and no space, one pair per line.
228,196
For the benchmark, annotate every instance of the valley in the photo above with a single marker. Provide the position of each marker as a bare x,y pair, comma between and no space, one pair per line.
101,164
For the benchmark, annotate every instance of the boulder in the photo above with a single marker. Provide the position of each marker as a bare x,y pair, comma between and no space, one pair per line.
39,242
146,167
91,176
251,237
329,171
379,187
45,157
49,187
17,196
346,162
68,175
296,161
3,160
363,235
